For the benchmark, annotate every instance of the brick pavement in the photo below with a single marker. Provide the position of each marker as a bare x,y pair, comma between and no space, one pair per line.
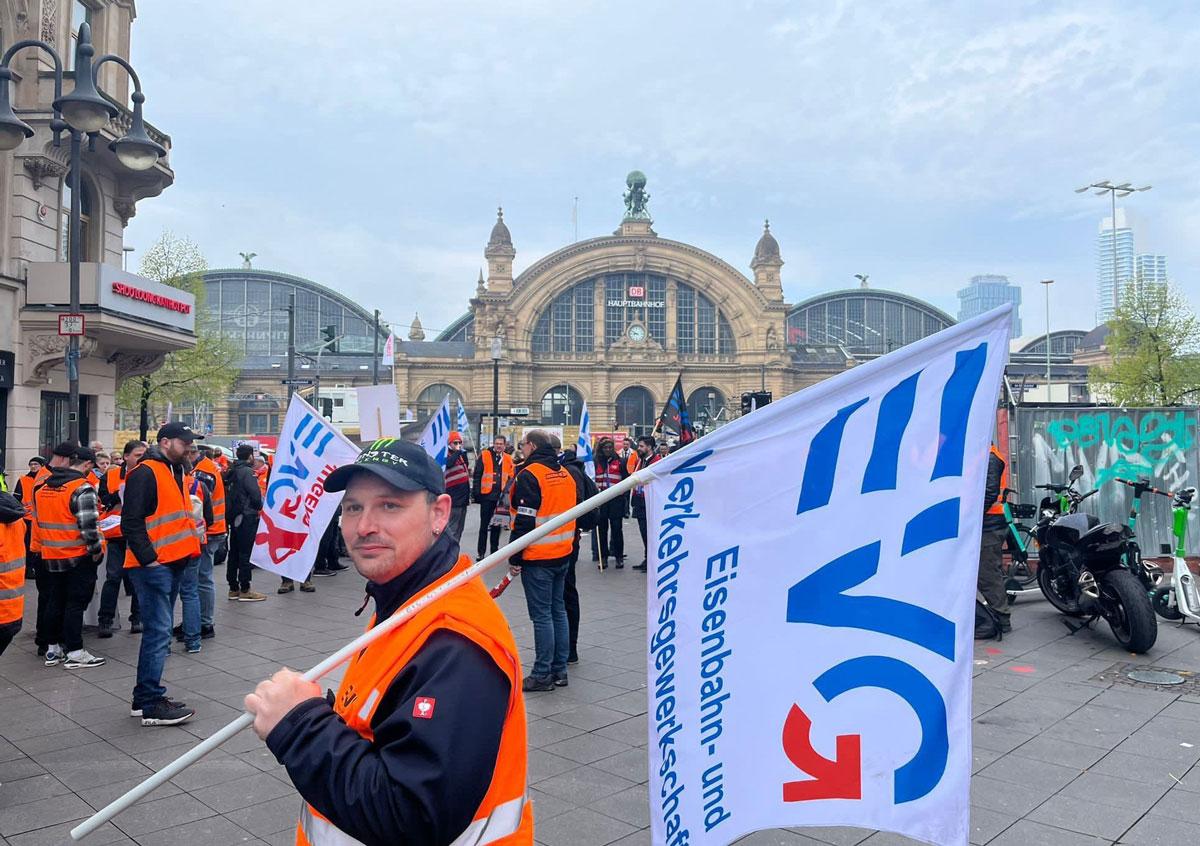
1061,758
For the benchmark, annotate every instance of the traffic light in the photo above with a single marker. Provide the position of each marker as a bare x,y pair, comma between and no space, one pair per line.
752,400
327,407
328,336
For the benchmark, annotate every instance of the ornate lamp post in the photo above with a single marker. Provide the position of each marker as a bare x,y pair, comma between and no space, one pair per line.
497,354
82,112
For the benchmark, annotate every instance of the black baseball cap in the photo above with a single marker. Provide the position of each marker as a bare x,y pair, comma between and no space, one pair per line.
178,430
84,454
402,464
65,450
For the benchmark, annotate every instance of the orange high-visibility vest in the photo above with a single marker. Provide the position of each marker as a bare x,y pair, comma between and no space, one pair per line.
489,480
55,526
558,495
608,473
40,479
206,465
171,528
114,482
262,477
25,494
505,816
12,572
997,507
631,463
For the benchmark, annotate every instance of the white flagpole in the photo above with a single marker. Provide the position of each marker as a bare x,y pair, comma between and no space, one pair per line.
335,660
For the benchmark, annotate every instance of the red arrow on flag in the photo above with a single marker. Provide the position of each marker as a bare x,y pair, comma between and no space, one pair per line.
840,778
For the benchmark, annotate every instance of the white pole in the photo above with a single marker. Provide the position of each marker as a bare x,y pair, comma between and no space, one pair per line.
335,660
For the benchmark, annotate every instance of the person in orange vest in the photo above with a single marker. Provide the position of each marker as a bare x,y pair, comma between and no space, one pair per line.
208,472
543,490
24,493
425,740
12,568
458,485
493,469
66,511
60,456
610,470
112,492
200,503
160,537
991,550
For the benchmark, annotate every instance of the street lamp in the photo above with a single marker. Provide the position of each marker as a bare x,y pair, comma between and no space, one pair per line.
1123,190
497,354
1046,283
83,111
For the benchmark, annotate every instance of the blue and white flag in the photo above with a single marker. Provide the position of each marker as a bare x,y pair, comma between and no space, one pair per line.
464,424
811,612
583,444
436,437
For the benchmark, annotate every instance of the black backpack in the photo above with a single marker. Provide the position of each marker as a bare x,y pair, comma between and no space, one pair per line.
987,623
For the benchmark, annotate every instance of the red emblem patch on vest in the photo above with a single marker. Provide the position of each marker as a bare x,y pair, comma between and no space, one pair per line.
423,707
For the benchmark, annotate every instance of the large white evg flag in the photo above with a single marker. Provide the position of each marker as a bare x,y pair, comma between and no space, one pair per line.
811,602
296,508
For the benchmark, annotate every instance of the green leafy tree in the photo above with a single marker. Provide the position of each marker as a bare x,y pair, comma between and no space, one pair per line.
1154,344
196,377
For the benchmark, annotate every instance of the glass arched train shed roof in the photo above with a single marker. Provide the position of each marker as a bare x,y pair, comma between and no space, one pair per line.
1062,342
250,307
866,322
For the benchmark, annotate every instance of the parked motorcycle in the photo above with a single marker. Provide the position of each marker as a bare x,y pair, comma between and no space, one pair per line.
1179,599
1081,570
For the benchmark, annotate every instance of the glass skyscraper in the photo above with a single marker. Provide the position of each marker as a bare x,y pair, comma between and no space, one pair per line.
986,292
1113,275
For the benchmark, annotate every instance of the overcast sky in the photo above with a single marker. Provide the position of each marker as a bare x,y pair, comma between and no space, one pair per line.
366,144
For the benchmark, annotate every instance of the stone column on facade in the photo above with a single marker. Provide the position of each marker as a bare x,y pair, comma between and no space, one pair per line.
672,324
599,304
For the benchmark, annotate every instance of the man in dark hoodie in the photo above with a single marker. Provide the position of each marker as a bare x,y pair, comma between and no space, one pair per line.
66,511
243,503
160,538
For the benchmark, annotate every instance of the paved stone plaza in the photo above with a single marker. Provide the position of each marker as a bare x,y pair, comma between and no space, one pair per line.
1065,753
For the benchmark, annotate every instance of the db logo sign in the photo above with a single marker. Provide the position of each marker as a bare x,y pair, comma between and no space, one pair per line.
423,707
637,291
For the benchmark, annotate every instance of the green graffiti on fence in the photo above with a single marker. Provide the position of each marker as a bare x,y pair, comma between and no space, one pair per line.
1152,435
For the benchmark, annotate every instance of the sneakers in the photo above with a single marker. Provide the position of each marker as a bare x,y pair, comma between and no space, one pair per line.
573,658
193,649
537,683
135,626
54,655
164,712
307,587
641,568
324,571
207,632
620,565
137,712
104,630
286,586
82,659
560,679
234,593
338,566
251,596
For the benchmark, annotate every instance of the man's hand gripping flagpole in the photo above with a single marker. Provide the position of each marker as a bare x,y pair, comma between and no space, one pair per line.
344,654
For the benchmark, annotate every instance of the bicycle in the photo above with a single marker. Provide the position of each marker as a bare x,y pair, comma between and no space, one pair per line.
1020,540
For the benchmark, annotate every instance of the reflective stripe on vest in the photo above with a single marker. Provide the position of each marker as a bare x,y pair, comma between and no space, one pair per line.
12,572
504,816
488,482
608,473
57,530
558,495
171,529
114,483
456,471
207,465
997,507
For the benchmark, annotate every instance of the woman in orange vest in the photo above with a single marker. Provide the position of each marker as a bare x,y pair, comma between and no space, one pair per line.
12,568
425,740
544,490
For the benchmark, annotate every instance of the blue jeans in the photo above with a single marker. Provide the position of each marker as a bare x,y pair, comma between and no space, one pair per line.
156,586
189,598
208,590
551,635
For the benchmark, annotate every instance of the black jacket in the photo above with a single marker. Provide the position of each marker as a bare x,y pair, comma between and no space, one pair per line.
527,494
585,488
242,495
141,499
991,493
419,780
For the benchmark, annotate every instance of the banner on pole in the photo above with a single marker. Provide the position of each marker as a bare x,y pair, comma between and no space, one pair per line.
296,508
583,446
389,351
463,422
811,619
378,412
436,437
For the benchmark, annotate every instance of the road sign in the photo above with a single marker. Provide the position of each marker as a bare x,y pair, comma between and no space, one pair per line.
295,381
519,411
70,324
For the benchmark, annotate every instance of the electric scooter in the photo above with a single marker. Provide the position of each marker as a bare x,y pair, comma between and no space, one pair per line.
1179,598
1147,572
